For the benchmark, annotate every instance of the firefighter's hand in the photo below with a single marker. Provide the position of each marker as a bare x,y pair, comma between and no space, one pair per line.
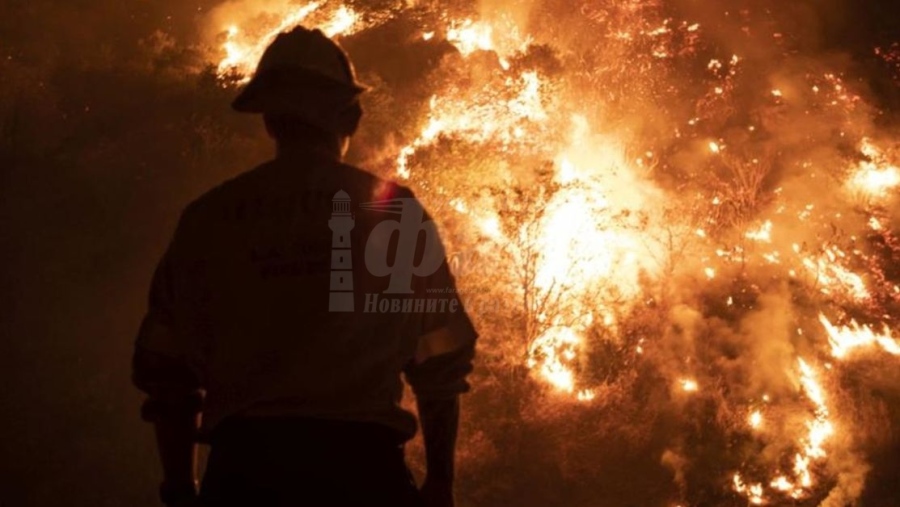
437,493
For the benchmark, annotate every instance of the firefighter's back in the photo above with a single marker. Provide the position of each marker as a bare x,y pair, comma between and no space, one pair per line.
269,250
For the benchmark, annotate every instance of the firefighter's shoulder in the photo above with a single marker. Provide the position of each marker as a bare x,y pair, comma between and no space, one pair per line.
375,188
228,198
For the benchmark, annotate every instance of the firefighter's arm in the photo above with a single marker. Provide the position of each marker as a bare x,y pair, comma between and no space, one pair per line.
176,441
438,377
440,421
173,407
164,368
445,350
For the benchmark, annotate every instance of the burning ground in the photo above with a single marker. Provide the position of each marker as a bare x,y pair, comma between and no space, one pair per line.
674,225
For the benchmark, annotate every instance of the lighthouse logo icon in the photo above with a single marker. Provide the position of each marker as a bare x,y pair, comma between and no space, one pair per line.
341,223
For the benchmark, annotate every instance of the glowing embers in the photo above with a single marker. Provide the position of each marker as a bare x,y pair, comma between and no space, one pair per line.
799,481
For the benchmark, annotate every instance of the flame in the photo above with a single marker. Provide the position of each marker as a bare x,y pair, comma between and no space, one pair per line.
342,22
481,118
586,395
689,385
756,419
820,428
501,36
753,492
243,48
578,247
874,177
832,276
552,353
876,181
469,36
847,339
763,234
811,446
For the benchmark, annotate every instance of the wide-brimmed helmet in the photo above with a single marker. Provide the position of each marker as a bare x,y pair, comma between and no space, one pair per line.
304,73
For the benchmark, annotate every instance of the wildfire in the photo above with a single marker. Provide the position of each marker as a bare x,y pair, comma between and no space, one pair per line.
820,428
244,47
481,117
847,339
833,277
753,492
763,234
689,385
552,353
811,445
469,36
600,231
586,395
875,177
756,419
578,246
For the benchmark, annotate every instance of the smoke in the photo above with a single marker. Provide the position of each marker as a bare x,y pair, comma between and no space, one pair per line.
744,366
519,12
851,471
677,464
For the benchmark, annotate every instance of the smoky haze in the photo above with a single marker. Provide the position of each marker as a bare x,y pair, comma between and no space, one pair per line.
111,121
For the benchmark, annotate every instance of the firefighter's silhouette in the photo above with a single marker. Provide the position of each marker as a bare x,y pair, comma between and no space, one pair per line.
239,349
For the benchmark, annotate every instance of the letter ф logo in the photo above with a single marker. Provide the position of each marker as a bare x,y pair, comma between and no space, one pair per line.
407,231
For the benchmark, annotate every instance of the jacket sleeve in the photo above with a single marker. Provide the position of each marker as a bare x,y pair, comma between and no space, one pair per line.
446,337
443,376
164,365
446,348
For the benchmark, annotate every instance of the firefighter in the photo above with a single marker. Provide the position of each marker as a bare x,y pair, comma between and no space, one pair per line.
284,317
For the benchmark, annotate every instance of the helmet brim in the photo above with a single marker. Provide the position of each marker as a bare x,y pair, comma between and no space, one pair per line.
292,90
